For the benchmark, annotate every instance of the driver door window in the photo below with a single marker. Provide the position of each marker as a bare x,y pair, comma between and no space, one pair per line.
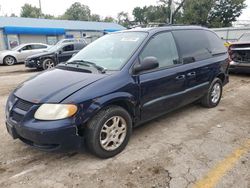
28,47
68,48
162,46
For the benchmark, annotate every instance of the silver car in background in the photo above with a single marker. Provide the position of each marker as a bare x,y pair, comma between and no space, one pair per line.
21,52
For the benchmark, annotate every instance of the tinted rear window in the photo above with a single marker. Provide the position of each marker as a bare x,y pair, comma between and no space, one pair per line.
215,43
193,45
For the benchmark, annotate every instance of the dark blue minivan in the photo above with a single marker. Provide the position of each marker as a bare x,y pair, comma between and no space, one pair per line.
116,83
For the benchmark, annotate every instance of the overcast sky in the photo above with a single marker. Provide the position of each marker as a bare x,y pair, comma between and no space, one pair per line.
101,7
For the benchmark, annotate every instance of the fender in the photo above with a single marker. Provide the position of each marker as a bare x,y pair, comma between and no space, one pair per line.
123,99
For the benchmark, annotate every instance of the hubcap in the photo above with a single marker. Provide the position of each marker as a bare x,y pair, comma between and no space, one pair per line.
113,133
49,64
9,60
216,92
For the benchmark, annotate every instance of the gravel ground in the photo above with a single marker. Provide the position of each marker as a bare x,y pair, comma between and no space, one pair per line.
176,150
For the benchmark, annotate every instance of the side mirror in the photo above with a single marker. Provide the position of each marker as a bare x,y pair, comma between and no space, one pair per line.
60,52
148,63
20,50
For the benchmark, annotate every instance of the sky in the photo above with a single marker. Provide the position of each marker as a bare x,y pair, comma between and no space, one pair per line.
101,7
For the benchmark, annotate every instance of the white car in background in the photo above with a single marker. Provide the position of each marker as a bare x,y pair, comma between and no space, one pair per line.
21,52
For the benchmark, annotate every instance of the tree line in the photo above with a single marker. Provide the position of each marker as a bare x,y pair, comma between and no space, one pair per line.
209,13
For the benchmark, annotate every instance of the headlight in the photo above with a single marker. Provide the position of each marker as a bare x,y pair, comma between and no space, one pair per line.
55,111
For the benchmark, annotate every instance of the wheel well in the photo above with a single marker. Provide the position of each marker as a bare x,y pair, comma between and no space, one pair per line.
221,77
126,105
9,56
121,103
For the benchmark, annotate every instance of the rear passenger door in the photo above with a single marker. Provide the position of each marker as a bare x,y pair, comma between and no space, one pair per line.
161,89
197,60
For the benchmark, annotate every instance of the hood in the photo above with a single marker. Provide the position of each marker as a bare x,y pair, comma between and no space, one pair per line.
45,53
54,85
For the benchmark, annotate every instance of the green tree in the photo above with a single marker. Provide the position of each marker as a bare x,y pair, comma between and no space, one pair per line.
197,11
139,14
224,12
123,19
77,11
109,19
95,17
30,11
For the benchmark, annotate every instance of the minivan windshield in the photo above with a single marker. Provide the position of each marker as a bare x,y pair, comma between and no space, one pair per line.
111,51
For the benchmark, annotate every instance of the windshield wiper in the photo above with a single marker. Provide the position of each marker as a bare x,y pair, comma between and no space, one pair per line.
87,63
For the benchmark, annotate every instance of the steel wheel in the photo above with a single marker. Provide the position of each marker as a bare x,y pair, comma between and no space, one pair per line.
48,64
216,93
113,133
9,60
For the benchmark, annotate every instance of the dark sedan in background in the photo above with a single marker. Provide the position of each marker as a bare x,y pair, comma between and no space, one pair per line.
54,55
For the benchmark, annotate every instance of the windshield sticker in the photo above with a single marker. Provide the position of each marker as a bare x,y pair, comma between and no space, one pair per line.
130,39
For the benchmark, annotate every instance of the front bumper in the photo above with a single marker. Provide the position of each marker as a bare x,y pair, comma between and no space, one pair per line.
63,137
239,67
32,63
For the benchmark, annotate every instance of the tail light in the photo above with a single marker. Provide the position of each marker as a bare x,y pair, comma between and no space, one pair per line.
230,53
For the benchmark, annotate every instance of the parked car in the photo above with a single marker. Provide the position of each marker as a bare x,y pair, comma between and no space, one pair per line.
118,82
19,53
56,54
239,53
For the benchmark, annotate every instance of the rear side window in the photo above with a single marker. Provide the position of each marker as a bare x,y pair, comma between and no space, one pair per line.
79,46
162,46
215,43
38,46
193,45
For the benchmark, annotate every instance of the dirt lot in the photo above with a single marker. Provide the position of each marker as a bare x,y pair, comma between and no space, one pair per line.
191,147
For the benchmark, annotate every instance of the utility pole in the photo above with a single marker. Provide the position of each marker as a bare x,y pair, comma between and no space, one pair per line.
171,12
40,7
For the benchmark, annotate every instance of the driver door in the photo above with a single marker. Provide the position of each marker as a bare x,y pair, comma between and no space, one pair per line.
161,89
24,52
66,53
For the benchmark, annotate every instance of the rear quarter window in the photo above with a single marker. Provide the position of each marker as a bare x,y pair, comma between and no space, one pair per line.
215,43
193,45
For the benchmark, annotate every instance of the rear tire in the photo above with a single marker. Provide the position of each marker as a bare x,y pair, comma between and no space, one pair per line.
48,64
213,96
108,132
9,60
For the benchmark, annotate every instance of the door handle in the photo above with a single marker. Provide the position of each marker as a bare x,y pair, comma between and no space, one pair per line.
191,74
180,77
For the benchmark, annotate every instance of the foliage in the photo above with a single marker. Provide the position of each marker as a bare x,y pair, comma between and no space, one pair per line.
77,11
109,19
196,12
224,12
123,19
30,11
95,17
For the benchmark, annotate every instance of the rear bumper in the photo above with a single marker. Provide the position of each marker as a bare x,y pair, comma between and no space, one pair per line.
59,139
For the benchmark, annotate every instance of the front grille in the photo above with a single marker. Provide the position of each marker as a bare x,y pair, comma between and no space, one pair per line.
19,110
17,117
23,105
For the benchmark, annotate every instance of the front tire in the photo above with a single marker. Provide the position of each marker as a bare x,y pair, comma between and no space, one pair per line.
213,96
48,64
9,60
108,132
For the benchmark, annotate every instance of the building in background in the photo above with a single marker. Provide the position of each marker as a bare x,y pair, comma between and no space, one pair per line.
15,30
